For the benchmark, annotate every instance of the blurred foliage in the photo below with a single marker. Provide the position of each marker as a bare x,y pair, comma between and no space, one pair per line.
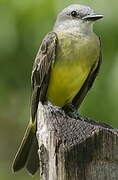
23,23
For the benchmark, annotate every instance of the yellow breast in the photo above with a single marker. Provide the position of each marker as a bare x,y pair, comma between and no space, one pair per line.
75,56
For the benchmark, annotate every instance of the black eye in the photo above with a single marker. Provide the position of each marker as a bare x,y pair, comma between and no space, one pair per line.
73,13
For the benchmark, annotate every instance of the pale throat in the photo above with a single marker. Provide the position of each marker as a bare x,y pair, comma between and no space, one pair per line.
74,26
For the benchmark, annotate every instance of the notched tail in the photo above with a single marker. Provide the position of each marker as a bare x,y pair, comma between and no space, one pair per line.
27,155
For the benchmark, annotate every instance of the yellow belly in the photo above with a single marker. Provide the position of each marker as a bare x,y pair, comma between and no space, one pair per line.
75,56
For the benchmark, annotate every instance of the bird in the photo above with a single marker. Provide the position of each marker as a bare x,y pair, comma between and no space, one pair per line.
64,70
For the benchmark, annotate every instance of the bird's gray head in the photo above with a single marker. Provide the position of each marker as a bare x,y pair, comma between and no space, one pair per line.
76,18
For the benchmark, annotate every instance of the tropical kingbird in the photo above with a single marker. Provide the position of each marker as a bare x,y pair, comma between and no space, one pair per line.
64,70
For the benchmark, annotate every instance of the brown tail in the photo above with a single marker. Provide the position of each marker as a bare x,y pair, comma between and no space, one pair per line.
27,155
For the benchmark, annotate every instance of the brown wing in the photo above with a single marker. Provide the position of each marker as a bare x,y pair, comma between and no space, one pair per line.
87,84
41,71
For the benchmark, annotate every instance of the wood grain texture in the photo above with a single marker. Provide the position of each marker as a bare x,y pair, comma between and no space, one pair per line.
71,149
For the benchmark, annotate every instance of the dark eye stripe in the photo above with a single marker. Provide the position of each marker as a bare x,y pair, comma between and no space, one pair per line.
73,13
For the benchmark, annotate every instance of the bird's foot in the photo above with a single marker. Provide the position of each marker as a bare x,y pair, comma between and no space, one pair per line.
77,115
56,108
71,111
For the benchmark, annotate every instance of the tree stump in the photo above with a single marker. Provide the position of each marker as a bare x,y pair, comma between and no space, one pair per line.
71,149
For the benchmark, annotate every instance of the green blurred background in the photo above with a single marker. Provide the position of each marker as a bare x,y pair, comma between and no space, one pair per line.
23,24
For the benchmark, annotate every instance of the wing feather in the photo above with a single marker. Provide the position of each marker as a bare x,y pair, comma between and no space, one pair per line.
87,84
41,71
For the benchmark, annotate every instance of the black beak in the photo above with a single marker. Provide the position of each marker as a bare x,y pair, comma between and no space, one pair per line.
92,17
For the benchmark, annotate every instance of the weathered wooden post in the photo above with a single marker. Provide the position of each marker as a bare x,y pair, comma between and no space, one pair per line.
71,149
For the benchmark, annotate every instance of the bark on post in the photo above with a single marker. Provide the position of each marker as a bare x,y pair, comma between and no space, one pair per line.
71,149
